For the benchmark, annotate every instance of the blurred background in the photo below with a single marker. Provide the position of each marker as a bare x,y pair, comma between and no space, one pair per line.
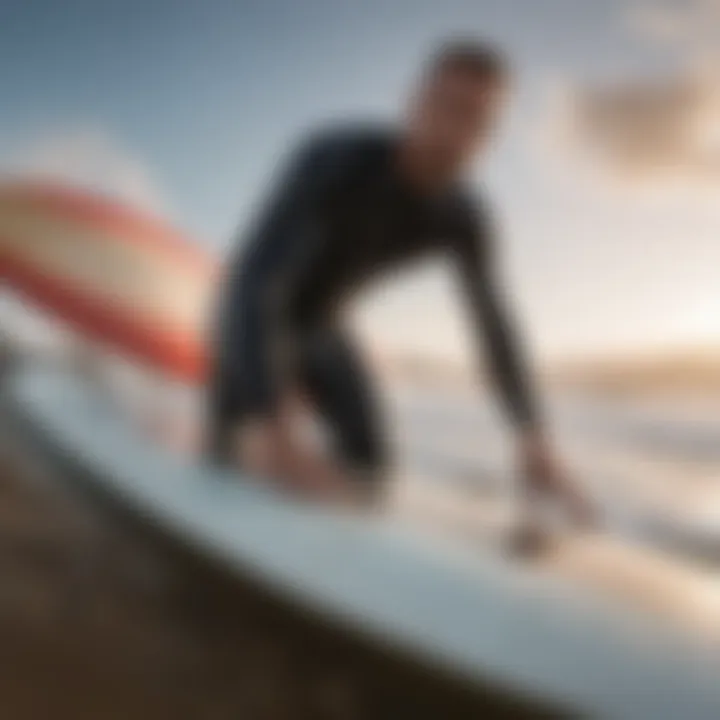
606,181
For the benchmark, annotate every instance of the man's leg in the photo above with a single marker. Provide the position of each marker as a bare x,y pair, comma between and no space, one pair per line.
339,386
222,414
231,380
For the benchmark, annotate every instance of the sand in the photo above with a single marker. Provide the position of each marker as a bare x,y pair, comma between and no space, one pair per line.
94,625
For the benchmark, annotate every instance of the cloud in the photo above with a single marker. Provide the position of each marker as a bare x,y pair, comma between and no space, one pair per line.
689,23
651,130
646,130
94,159
664,22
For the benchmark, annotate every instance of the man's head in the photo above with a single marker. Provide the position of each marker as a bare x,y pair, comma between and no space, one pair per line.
455,107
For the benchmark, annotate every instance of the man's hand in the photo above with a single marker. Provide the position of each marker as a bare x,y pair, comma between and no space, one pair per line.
270,447
546,479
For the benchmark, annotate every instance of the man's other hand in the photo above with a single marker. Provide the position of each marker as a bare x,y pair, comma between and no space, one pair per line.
271,448
546,478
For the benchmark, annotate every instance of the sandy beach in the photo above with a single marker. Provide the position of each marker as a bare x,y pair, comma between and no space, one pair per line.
95,625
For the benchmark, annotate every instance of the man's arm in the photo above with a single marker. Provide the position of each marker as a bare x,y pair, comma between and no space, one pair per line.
482,287
542,474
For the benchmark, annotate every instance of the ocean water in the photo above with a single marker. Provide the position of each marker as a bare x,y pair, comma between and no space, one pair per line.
652,465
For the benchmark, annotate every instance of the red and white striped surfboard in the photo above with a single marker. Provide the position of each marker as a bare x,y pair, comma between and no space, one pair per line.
113,273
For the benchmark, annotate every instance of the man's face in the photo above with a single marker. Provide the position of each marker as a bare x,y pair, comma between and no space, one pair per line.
454,114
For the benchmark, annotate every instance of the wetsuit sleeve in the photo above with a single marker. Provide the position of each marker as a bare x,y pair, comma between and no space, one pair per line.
481,286
287,236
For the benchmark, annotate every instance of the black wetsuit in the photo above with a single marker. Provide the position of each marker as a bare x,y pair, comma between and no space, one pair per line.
341,216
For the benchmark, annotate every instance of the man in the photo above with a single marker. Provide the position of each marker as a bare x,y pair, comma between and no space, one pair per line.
357,203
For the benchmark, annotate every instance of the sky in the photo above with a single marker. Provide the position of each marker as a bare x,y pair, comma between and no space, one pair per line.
186,106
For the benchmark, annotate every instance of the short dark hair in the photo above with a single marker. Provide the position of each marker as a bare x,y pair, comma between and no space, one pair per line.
470,55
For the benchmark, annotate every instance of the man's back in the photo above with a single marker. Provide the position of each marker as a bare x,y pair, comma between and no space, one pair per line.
359,217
